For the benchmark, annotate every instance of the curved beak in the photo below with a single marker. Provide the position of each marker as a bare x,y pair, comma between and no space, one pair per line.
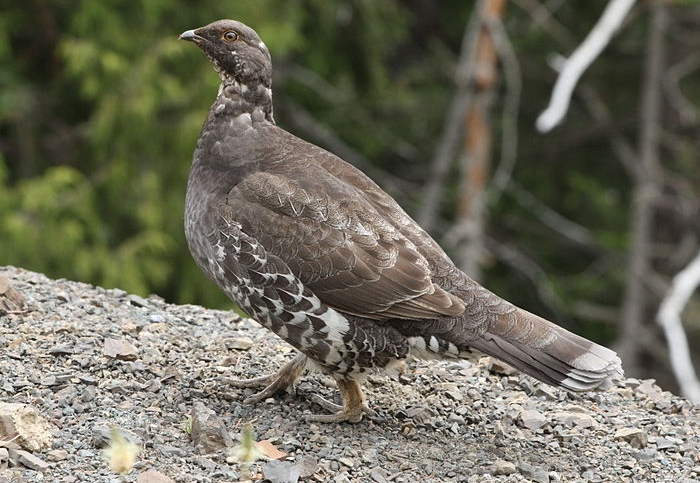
190,35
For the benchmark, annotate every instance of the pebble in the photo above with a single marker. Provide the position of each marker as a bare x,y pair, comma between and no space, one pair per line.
532,419
534,473
153,476
439,421
27,459
208,431
637,438
119,349
502,467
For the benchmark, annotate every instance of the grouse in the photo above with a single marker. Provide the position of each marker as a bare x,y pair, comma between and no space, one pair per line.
315,251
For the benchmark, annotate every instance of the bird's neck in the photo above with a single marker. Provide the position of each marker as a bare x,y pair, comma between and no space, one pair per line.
235,99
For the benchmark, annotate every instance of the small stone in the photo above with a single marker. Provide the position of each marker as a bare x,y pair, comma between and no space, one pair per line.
308,465
119,349
502,467
208,431
102,436
21,423
648,387
277,471
61,350
137,301
637,438
57,455
11,301
378,475
499,367
170,450
575,416
48,381
534,473
156,318
205,463
346,461
341,478
27,459
532,419
153,476
668,443
547,391
240,343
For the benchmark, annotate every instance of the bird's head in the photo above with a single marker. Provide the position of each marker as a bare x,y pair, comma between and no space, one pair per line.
236,50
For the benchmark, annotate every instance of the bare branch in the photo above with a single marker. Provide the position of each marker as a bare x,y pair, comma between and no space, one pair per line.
578,62
448,144
669,318
511,106
567,228
531,270
688,111
645,191
621,147
542,16
303,120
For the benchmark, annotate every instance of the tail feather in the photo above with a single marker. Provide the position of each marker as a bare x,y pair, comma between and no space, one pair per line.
550,353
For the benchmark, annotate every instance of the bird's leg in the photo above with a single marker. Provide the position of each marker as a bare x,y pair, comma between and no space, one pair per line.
283,379
354,401
353,408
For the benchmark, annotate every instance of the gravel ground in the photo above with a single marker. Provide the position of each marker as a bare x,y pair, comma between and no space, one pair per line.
89,359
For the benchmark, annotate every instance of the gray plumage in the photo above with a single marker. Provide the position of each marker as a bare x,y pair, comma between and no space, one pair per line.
318,253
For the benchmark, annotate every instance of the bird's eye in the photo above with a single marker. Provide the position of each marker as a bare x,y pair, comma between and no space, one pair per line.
230,36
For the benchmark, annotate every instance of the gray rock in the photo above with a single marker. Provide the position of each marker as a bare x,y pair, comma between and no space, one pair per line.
574,416
281,472
153,476
119,349
27,459
532,419
637,438
502,467
208,431
25,426
534,473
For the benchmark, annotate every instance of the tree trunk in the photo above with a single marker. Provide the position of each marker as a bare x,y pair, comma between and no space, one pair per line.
478,142
635,301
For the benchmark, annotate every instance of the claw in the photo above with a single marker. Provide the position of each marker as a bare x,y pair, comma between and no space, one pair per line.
282,380
354,402
354,405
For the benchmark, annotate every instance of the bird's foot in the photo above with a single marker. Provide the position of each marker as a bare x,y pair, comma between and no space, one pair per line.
353,408
281,380
354,401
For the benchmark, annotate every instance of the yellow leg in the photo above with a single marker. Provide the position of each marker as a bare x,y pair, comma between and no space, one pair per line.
281,380
353,408
354,401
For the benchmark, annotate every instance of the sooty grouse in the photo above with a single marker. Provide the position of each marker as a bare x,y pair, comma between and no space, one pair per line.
315,251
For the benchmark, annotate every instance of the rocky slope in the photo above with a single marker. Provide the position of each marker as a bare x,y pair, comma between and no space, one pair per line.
77,361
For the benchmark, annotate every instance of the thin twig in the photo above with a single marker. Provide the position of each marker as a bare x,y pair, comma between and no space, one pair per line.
448,144
611,19
511,107
669,318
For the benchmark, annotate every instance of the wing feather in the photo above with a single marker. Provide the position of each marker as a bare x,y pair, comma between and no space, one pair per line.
340,246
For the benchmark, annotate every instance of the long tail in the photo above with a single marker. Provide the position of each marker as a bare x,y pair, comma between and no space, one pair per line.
549,353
